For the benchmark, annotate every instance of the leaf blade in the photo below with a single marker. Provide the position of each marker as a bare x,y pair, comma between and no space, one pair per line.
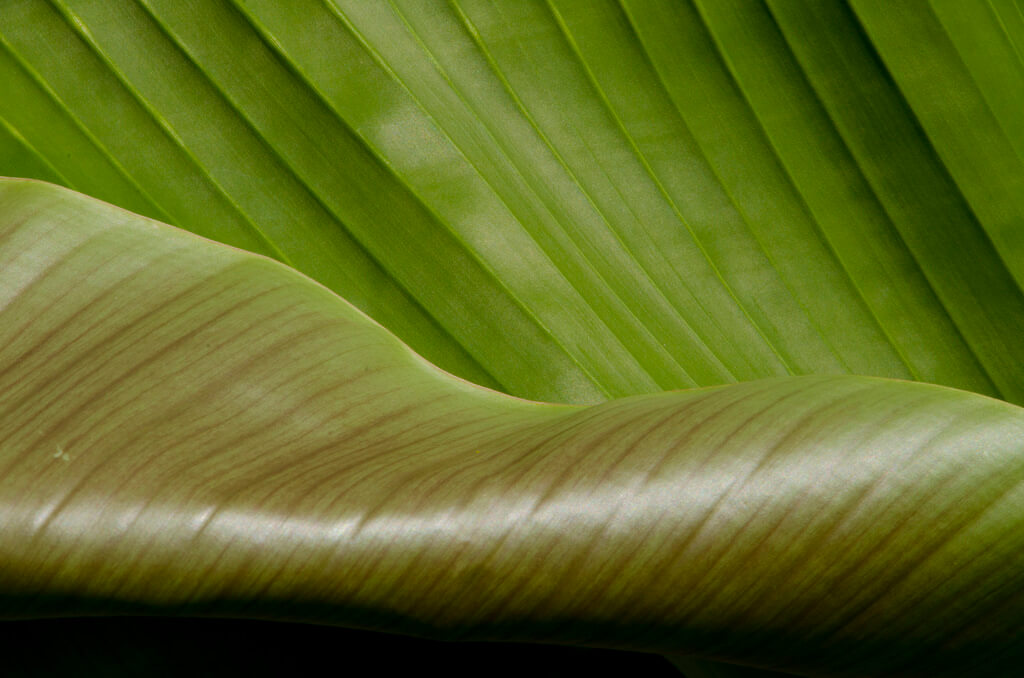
829,525
650,253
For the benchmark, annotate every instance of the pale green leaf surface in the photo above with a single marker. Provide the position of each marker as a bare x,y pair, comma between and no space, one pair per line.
572,200
949,66
836,192
185,427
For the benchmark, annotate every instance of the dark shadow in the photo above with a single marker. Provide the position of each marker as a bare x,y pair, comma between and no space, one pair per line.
226,648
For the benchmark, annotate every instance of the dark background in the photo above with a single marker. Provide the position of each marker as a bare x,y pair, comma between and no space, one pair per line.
153,646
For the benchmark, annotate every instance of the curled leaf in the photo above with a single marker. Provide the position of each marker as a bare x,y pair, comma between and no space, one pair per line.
186,427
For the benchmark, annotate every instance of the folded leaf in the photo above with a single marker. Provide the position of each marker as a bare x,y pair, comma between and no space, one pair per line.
185,427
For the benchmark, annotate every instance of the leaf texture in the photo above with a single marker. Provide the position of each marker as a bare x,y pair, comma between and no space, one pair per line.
188,428
572,200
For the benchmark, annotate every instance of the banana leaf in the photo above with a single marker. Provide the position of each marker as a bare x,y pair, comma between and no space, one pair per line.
566,201
193,429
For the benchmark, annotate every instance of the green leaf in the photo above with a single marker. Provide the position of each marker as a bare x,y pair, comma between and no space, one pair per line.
187,428
572,200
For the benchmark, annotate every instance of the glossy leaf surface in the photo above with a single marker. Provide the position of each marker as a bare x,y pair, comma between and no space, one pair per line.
184,426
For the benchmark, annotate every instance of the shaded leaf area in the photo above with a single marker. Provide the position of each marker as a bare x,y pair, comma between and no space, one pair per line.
572,200
223,648
186,428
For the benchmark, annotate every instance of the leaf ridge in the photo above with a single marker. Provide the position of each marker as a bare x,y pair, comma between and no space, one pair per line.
308,82
839,358
350,25
567,33
44,87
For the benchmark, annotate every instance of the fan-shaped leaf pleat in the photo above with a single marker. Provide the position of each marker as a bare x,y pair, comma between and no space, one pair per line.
571,200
